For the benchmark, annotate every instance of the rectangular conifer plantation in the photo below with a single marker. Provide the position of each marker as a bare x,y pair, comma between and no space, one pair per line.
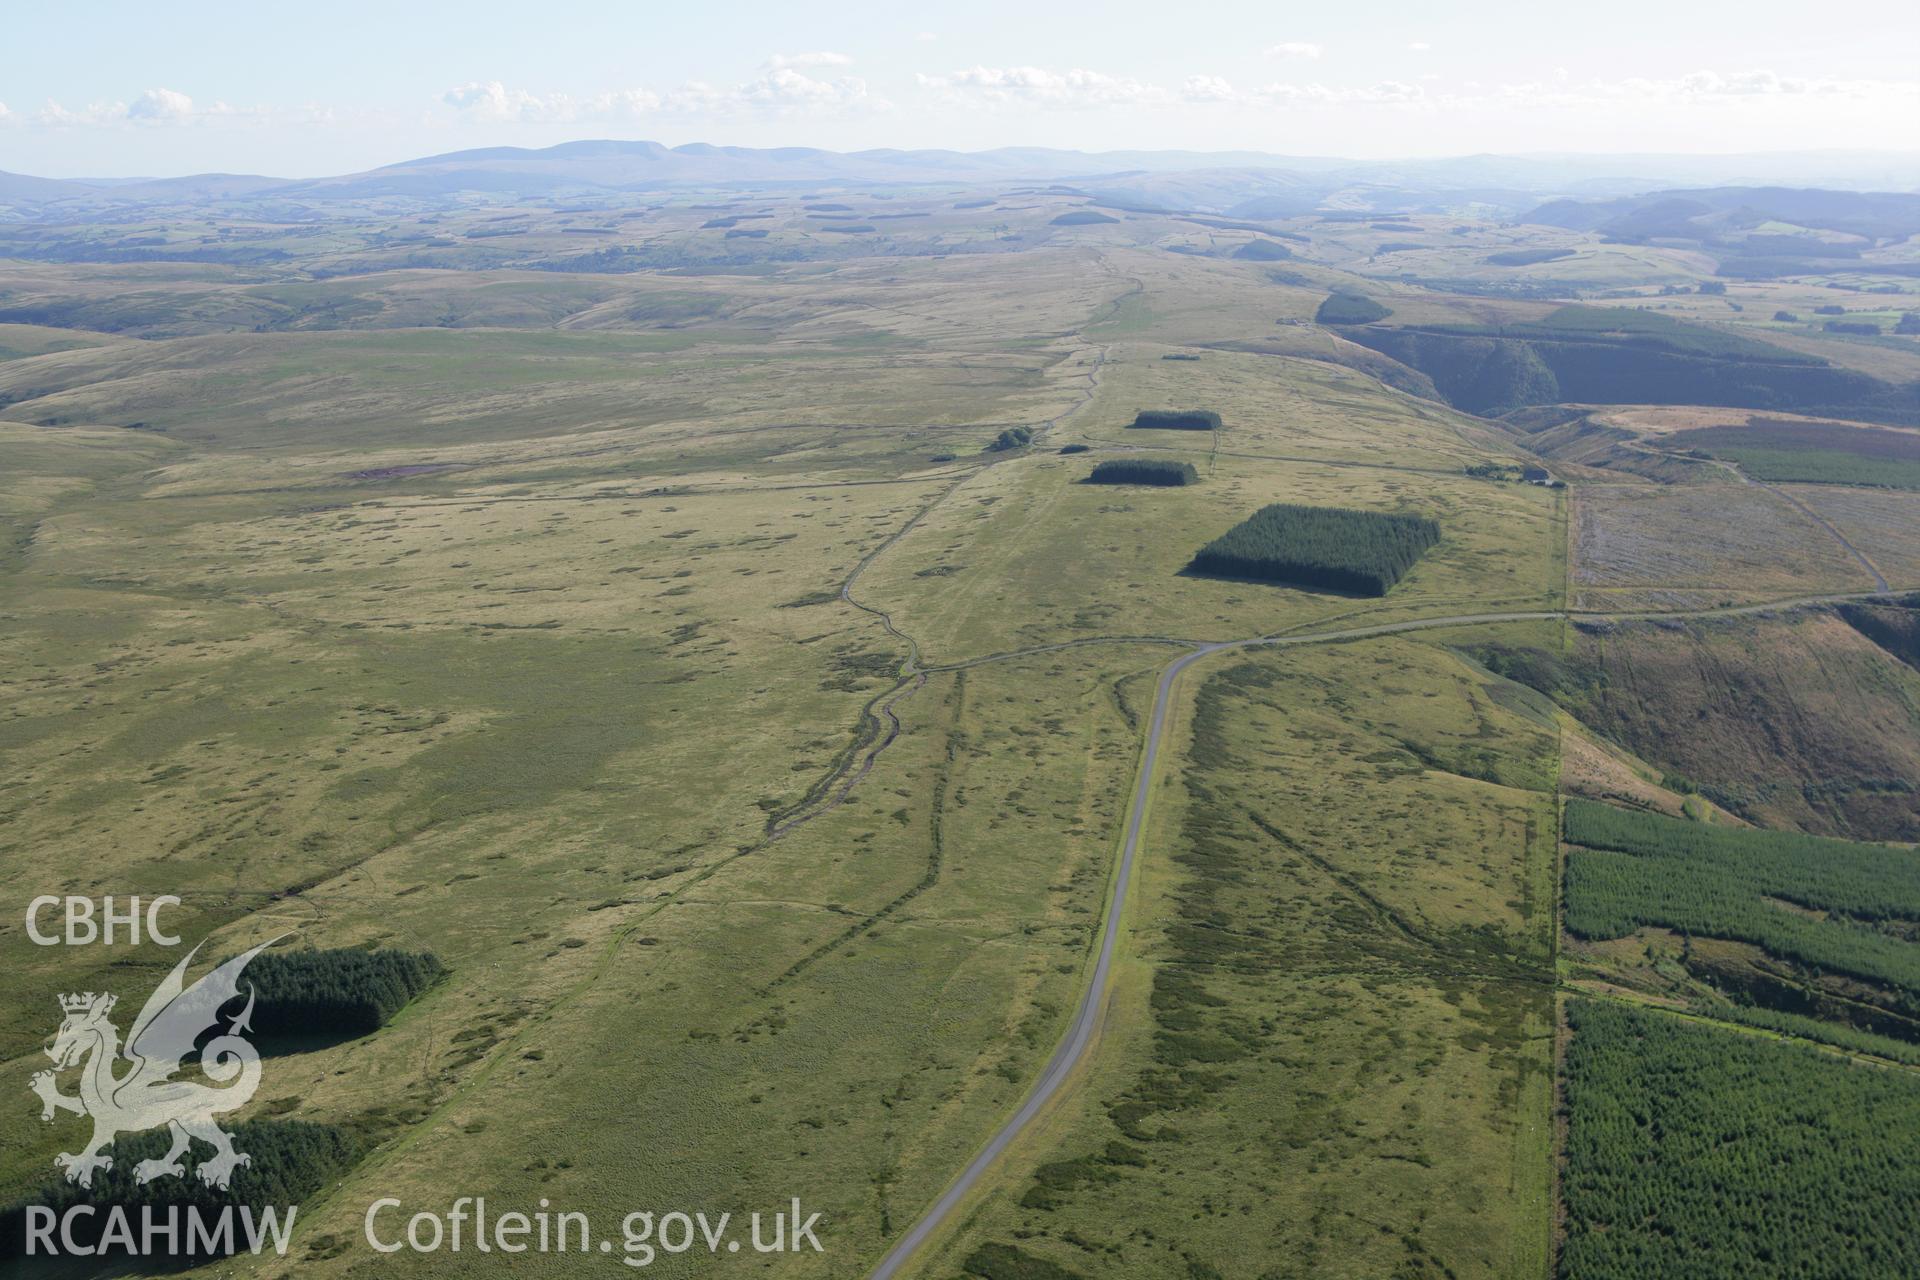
1334,548
1177,420
1143,471
345,992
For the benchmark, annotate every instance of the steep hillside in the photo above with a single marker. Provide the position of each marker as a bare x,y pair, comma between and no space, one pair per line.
1798,722
1586,355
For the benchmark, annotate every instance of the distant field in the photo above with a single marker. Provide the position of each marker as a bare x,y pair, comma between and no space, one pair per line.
1704,543
1775,450
1883,523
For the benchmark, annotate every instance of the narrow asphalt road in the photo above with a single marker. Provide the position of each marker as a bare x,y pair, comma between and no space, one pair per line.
1086,1019
1092,1009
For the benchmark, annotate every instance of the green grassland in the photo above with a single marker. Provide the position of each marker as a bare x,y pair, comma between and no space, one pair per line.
525,648
1022,554
836,1014
642,623
1348,922
491,689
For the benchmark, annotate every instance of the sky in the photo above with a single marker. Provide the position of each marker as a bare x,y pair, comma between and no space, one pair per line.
113,89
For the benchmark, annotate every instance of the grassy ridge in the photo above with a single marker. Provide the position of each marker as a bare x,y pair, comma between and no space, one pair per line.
1635,327
1710,1155
1527,257
1333,547
1639,869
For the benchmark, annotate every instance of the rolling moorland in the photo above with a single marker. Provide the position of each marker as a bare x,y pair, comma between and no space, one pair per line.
1082,739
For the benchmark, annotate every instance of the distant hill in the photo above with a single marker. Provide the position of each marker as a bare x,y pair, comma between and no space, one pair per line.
1239,183
1756,233
1716,212
20,188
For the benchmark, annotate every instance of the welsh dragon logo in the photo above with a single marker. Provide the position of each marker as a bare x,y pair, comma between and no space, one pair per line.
146,1095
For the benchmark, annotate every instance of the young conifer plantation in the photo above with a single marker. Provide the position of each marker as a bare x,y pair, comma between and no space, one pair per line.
1639,869
1700,1154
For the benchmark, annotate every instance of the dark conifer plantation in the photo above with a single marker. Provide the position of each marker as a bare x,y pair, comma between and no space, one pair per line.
290,1160
1364,552
1143,471
1177,420
345,992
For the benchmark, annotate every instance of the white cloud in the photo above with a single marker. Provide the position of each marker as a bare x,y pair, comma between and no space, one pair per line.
1390,91
1420,46
1082,89
161,104
1075,88
490,100
1295,49
1703,87
1385,93
54,116
787,88
156,107
1711,83
1206,89
818,58
780,90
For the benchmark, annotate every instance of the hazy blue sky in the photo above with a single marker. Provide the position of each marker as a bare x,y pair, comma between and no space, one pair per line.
111,88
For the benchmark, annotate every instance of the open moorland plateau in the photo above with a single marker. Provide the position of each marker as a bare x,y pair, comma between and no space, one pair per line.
687,621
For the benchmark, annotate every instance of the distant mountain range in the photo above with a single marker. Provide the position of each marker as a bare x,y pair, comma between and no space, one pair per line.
1706,214
1244,183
